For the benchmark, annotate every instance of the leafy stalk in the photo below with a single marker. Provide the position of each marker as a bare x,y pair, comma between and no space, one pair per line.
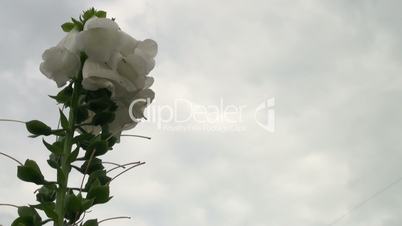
64,205
65,168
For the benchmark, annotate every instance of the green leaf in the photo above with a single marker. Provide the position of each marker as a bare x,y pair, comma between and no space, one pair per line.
47,193
63,120
101,14
100,193
54,161
88,14
98,175
30,172
75,205
100,104
83,56
56,147
49,208
27,217
61,176
92,222
103,118
84,140
67,27
105,132
59,133
64,96
74,154
82,114
112,141
87,203
33,136
94,165
100,147
21,222
72,202
38,128
77,24
98,94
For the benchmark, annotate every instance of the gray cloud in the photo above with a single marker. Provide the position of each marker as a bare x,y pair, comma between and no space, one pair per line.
334,68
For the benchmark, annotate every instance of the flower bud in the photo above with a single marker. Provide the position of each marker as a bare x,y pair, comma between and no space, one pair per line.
37,127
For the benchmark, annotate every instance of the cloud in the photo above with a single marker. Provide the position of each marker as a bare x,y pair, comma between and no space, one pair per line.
333,67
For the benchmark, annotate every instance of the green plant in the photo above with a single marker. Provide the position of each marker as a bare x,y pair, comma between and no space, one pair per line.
87,133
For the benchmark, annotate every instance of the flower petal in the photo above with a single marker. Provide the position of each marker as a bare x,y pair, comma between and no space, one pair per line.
98,43
148,82
127,44
96,76
60,65
143,99
150,62
122,120
96,22
149,47
114,60
127,71
70,41
140,62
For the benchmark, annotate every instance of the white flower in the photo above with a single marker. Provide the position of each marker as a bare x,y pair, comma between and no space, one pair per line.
124,114
70,41
127,114
127,44
100,38
140,101
119,63
124,92
96,22
148,47
62,62
116,61
97,76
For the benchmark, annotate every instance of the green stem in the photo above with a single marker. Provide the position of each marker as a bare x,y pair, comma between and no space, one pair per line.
65,165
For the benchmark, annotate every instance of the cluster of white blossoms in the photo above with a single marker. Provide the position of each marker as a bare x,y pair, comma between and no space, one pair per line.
116,61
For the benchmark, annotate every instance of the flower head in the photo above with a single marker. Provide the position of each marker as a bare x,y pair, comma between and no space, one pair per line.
62,62
115,61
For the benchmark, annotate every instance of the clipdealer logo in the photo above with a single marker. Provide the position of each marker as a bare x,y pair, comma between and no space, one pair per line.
185,115
267,108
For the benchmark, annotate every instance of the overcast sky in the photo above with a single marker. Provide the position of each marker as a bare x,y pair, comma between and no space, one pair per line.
333,67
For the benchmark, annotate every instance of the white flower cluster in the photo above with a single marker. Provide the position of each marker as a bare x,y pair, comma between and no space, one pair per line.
116,61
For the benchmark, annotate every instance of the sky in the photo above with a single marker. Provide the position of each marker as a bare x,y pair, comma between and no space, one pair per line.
333,69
